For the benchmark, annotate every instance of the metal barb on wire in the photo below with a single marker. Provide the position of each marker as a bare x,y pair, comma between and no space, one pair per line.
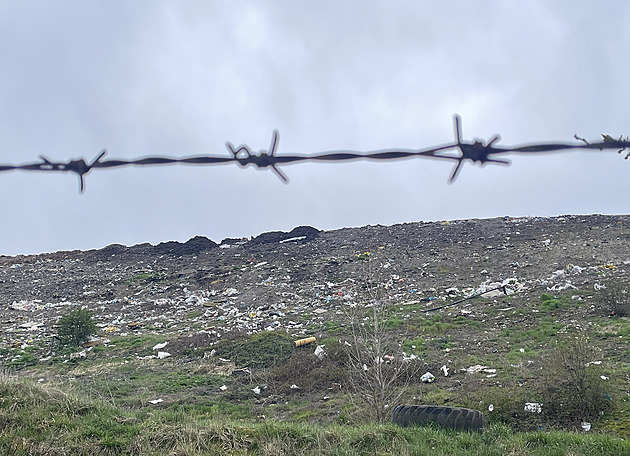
263,159
477,152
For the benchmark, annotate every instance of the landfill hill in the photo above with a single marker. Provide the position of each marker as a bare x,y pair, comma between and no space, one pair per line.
184,297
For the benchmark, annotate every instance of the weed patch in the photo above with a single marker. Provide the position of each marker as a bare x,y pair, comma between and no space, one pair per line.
260,350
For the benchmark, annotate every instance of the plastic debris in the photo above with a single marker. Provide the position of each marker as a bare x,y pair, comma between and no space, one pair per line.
294,386
159,346
476,368
32,325
156,401
444,370
586,426
319,352
533,407
162,355
256,390
428,377
222,387
491,407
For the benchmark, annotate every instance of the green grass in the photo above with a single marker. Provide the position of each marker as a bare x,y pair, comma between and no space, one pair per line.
145,277
547,329
40,419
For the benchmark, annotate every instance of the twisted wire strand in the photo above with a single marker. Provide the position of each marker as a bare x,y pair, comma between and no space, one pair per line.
476,151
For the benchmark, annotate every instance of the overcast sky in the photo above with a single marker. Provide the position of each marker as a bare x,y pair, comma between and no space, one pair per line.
179,78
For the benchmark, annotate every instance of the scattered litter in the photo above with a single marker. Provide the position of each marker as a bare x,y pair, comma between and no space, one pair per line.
256,390
444,370
427,378
562,286
491,407
162,355
298,238
222,387
156,401
586,426
159,346
319,352
533,407
476,368
32,325
294,386
81,354
603,377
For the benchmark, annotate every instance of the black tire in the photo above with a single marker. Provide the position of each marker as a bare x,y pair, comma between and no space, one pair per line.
461,419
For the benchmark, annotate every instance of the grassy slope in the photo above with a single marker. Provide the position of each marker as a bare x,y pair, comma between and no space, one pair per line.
45,420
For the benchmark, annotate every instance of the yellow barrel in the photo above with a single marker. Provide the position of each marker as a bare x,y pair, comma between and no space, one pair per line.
308,340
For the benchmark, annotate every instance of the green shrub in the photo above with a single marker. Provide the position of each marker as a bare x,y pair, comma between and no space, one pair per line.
263,349
76,327
615,298
572,388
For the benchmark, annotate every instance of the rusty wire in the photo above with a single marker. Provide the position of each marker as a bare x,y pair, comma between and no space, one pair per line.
477,152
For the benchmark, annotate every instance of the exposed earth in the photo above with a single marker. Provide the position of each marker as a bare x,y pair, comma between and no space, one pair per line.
303,282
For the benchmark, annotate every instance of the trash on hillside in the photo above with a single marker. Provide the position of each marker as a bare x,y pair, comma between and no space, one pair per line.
222,387
319,352
81,354
428,377
256,390
476,368
162,355
444,369
159,346
294,386
586,426
32,325
305,341
533,407
156,401
491,407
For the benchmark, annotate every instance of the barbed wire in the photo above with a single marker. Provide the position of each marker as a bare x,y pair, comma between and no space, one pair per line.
477,152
